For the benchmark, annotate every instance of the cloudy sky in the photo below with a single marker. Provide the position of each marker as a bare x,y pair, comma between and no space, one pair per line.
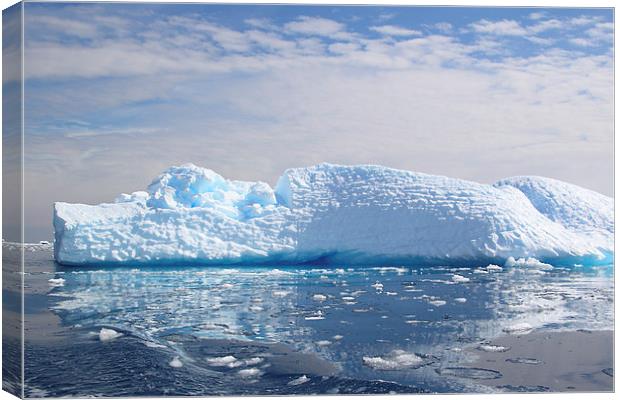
117,92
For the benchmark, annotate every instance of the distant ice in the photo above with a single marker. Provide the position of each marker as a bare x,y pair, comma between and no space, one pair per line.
459,279
519,329
460,299
318,315
176,362
249,372
527,263
494,268
106,334
56,282
394,360
298,381
224,361
493,348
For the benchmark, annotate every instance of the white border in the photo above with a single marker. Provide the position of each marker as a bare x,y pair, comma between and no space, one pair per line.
481,3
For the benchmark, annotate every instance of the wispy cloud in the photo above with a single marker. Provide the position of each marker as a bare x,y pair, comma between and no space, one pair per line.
392,30
314,26
444,27
502,27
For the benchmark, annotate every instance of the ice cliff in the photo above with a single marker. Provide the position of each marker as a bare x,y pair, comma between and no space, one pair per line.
336,214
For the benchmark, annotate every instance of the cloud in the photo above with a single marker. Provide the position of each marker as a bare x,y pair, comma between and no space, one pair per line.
252,99
541,41
546,25
109,131
392,30
537,15
314,26
67,26
584,20
502,27
581,42
602,31
444,27
262,23
343,48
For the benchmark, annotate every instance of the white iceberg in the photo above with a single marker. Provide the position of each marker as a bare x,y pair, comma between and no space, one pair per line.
338,214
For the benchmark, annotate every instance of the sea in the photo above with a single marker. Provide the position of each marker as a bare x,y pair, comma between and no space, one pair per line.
285,330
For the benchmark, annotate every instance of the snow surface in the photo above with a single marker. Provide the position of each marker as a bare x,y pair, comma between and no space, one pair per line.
338,214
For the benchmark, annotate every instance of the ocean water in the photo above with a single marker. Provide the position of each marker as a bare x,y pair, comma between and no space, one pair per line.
288,330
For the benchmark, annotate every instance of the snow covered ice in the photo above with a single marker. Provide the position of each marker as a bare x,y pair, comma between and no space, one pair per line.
338,214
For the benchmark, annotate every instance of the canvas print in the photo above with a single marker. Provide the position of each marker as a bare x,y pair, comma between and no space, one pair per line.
221,199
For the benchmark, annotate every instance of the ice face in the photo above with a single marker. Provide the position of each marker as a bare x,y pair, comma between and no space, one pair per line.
338,214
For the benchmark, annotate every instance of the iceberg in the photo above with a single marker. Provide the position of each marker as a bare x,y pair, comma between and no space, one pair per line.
334,214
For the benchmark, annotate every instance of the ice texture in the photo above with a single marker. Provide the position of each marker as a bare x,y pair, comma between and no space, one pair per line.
335,214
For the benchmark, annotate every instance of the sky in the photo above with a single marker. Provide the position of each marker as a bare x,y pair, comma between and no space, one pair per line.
115,93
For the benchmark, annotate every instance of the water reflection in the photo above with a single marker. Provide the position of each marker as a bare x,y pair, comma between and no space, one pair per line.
341,315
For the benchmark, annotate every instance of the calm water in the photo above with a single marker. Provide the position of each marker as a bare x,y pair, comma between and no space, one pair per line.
213,331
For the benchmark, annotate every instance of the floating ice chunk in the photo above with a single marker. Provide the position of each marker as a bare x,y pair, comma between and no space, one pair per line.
337,337
519,329
460,299
249,372
56,282
299,381
253,361
323,343
315,316
459,278
106,334
176,362
319,297
490,348
480,271
225,361
153,345
378,286
527,263
437,303
494,268
394,360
